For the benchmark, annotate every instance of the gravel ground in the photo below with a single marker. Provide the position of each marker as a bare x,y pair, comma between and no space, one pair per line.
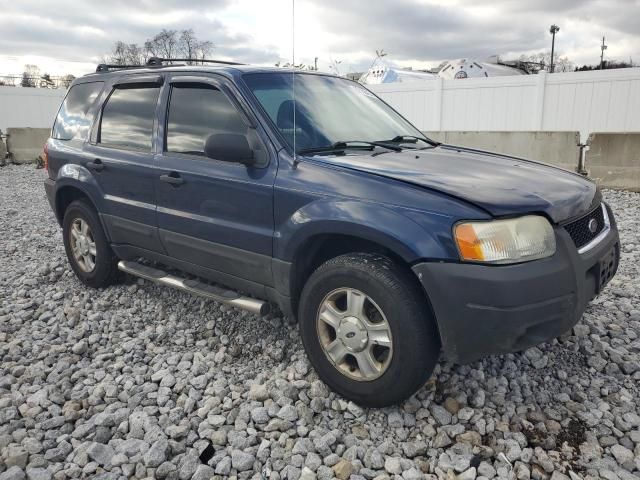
137,380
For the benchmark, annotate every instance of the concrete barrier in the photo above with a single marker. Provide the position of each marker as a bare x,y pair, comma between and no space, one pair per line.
556,148
613,160
26,144
3,150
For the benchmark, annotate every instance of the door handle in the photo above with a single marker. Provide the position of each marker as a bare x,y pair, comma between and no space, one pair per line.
96,165
172,178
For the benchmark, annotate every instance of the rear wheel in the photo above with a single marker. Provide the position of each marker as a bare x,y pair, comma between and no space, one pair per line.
86,245
367,329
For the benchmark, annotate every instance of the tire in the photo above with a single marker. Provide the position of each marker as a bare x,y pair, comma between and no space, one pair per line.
105,263
401,310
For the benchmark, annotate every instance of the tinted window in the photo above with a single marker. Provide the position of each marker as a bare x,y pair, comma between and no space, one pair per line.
127,118
74,119
195,112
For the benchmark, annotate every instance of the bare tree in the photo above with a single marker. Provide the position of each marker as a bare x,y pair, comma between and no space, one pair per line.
66,80
191,48
560,64
126,54
118,57
164,44
205,48
47,82
607,65
26,80
298,66
30,76
188,44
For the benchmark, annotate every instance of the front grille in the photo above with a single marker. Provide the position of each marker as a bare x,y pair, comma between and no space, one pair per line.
579,229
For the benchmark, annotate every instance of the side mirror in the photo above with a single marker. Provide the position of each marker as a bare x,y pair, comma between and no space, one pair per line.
229,147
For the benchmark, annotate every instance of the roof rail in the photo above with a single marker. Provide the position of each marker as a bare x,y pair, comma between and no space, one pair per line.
105,67
157,61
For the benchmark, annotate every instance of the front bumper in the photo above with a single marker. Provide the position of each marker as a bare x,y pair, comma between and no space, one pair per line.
484,310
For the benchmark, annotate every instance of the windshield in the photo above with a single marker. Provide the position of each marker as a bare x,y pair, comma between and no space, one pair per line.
328,110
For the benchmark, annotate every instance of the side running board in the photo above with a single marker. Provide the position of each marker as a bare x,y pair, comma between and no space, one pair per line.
195,287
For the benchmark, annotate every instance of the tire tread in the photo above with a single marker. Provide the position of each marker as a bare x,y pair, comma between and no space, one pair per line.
106,271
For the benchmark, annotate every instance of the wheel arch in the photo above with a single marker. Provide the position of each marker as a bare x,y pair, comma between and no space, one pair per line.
323,246
67,194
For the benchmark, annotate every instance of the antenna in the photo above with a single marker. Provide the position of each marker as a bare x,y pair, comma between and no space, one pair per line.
293,76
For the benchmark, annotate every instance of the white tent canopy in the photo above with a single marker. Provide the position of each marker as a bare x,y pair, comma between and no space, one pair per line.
381,72
470,68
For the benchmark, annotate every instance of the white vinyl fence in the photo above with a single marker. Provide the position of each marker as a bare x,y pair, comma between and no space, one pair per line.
596,101
29,107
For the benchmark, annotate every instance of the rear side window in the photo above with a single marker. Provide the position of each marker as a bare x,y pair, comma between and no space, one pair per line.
197,111
74,120
127,118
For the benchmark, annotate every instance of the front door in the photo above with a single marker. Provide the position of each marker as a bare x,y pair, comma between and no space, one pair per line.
211,213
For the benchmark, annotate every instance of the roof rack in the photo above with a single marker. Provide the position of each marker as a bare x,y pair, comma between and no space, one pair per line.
105,67
157,61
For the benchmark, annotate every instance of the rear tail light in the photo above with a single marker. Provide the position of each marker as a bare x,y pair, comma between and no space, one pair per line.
45,157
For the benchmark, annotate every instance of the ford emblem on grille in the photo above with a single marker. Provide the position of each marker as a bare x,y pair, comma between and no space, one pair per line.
593,225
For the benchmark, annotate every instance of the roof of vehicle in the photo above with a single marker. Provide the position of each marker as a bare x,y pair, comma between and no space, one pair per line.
217,68
158,65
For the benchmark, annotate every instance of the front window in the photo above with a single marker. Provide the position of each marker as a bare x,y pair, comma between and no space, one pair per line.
195,112
328,110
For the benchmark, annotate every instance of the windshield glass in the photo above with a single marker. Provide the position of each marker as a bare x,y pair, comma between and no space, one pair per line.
328,110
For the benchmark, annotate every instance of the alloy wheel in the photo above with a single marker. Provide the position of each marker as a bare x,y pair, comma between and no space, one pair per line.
354,334
83,245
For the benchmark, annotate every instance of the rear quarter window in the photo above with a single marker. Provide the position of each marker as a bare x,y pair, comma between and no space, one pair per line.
75,114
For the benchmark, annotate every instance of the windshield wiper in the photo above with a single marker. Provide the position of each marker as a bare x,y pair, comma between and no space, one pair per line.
355,144
412,139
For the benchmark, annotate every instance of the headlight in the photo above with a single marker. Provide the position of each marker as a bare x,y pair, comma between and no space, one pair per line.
505,241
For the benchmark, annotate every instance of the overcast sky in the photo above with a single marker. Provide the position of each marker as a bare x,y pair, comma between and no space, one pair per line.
71,36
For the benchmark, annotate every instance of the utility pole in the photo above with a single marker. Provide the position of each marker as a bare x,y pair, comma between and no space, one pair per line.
553,30
603,47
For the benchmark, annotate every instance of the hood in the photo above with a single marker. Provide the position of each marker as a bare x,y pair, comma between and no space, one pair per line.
499,184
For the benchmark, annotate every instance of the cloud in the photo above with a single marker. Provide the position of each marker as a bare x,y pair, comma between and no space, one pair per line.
413,32
421,30
73,31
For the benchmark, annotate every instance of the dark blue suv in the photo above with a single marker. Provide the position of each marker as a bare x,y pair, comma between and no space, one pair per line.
255,185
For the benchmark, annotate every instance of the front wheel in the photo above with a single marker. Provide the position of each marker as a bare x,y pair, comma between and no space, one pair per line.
367,329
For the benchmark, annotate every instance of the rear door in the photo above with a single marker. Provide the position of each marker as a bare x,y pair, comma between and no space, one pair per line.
120,157
212,213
